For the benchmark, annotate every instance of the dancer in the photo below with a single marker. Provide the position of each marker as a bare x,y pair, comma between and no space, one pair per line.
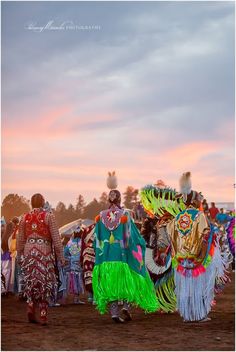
37,239
88,259
159,202
196,256
73,270
119,273
226,256
12,249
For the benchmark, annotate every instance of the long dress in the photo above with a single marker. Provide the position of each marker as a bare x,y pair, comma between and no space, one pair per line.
37,241
119,272
73,270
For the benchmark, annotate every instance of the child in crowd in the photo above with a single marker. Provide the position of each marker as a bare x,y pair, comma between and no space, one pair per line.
73,270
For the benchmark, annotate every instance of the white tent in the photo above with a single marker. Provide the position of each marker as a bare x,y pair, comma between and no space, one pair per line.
69,229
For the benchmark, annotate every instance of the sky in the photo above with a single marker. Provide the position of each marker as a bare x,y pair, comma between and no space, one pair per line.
147,91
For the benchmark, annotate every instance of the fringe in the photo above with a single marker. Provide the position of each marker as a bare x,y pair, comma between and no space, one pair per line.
223,261
165,290
195,294
116,281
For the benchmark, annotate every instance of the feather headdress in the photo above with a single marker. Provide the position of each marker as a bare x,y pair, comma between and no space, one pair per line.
112,182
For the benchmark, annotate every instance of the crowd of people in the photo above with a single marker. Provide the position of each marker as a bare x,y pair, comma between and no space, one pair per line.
177,260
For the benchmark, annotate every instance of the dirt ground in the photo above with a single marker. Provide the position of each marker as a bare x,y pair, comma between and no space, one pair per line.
82,328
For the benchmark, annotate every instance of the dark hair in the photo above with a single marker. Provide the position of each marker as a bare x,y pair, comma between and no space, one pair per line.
37,201
114,197
212,204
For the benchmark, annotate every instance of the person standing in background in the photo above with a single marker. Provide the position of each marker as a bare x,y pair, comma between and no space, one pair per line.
6,232
12,249
73,270
213,211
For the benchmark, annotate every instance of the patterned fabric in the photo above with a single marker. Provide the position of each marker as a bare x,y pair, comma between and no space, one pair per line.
119,272
158,260
35,224
184,221
196,262
111,217
88,256
37,253
73,270
39,275
118,245
185,242
23,247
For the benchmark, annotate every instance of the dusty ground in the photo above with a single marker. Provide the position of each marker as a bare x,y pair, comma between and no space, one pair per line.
82,328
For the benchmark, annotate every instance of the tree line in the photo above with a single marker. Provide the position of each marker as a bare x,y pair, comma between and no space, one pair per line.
16,205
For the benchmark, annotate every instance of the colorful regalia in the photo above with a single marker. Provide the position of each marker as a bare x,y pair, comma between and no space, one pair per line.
88,256
119,273
226,256
195,256
230,230
6,270
73,270
6,230
38,247
16,278
160,203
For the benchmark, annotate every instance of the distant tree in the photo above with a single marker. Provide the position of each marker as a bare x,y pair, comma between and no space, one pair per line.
14,205
60,214
80,205
92,209
71,214
130,197
60,208
103,201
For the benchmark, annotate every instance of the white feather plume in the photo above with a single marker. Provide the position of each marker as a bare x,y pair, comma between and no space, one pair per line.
185,183
112,182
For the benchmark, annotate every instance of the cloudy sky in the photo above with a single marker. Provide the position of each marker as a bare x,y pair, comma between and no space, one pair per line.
147,91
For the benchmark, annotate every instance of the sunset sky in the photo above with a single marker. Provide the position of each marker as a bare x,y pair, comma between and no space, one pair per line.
149,93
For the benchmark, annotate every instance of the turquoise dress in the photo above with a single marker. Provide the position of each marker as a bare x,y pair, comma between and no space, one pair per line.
119,272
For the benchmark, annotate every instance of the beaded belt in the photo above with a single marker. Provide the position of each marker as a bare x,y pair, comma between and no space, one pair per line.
38,241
